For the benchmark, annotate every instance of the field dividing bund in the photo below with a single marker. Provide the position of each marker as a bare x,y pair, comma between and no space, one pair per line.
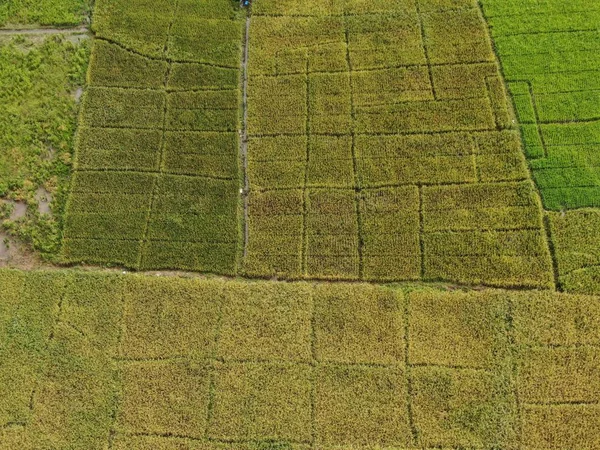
381,148
136,362
156,173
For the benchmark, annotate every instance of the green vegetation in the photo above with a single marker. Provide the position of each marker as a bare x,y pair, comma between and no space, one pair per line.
156,167
43,12
380,148
37,123
97,360
549,53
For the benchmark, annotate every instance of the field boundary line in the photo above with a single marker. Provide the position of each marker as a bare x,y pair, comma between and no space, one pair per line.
243,147
513,116
163,142
357,186
513,354
304,232
552,248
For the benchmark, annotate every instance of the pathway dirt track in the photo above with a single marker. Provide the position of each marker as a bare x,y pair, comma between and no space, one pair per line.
43,31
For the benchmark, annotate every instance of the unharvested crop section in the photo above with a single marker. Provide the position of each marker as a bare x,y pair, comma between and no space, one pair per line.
550,55
381,147
577,249
134,363
156,170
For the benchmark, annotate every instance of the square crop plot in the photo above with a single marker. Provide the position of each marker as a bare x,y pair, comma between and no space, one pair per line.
381,41
277,105
415,159
544,318
277,161
358,406
330,162
457,329
170,318
164,397
457,408
561,426
140,25
559,375
332,234
198,76
359,324
458,36
92,303
192,210
329,102
262,401
275,229
390,233
114,66
389,86
215,111
118,149
203,154
122,108
500,157
106,217
75,399
109,205
266,322
194,38
284,45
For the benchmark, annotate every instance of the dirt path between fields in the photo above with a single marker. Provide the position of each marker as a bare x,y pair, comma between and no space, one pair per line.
42,31
244,132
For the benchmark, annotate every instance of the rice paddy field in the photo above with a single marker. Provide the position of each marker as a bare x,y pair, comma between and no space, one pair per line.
357,224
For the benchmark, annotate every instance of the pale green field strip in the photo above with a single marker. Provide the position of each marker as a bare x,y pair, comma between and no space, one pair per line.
43,12
550,56
156,168
103,361
381,148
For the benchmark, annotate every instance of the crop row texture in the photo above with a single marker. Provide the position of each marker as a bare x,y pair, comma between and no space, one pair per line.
550,55
381,147
133,362
156,170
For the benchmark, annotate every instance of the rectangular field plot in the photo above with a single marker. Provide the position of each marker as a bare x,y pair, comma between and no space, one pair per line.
156,180
549,52
137,362
377,107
